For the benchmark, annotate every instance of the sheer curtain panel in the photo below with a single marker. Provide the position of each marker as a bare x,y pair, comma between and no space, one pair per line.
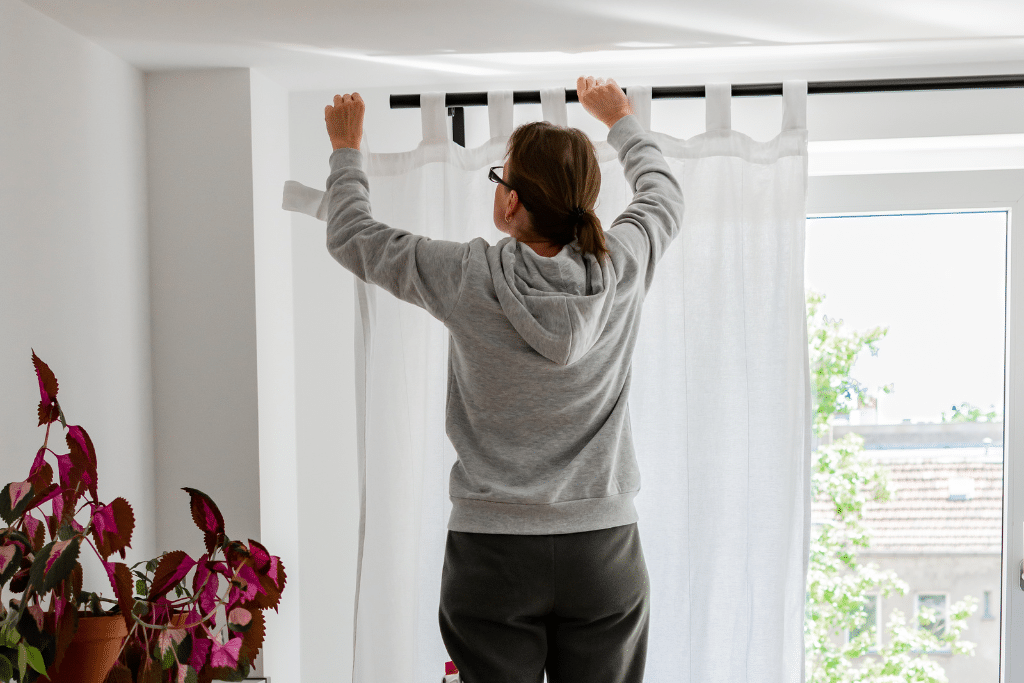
720,403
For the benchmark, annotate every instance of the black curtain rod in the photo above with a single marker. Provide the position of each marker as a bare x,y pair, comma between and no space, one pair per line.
473,99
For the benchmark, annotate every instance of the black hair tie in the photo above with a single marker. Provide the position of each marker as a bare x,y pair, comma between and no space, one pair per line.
578,213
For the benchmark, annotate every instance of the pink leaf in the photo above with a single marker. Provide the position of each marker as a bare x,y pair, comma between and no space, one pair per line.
251,584
38,463
275,562
19,489
31,524
240,617
58,548
169,638
37,613
64,466
208,582
112,527
7,554
227,654
260,556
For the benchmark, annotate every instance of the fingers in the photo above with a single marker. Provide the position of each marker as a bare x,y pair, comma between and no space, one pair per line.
342,99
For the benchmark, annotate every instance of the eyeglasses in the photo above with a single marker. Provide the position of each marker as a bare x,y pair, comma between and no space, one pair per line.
495,178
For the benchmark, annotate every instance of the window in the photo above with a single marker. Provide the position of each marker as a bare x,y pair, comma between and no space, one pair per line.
931,613
955,189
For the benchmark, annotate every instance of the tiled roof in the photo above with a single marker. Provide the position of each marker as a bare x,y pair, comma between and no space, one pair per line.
921,517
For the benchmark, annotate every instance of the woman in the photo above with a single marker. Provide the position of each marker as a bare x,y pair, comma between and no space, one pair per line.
543,569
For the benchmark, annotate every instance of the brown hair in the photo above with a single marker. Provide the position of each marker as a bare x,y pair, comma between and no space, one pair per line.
555,172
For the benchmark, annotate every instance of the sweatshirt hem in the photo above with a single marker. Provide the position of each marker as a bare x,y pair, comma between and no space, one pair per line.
472,515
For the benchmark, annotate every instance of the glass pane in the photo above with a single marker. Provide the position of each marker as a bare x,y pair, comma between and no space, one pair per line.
906,323
935,606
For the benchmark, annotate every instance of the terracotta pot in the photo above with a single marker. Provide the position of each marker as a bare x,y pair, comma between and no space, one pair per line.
92,651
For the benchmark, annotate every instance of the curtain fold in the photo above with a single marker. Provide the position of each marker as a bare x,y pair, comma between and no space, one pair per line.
720,403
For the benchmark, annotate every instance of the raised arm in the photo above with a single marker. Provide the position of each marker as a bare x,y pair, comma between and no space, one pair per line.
654,217
425,272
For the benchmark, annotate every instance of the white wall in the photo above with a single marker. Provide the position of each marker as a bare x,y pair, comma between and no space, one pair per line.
203,300
275,339
74,280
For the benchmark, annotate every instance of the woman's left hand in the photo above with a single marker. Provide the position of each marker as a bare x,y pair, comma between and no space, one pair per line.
345,120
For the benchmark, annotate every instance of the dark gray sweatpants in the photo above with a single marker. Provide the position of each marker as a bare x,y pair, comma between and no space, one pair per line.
573,605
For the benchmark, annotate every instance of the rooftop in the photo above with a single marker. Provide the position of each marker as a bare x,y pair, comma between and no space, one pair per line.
948,483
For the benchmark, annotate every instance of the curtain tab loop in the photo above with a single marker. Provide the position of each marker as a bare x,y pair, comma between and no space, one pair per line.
639,97
794,105
552,102
434,116
718,106
499,113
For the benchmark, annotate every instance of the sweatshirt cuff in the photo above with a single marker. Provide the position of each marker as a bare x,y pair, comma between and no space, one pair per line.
346,156
623,130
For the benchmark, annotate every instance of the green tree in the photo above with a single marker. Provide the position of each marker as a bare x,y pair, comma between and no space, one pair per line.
837,583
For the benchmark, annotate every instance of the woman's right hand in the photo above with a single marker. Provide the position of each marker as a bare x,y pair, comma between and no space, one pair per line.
603,99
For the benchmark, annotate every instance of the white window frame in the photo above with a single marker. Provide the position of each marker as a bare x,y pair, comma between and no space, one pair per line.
951,188
878,624
945,616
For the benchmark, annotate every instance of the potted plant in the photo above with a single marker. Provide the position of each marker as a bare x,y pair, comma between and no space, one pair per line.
176,618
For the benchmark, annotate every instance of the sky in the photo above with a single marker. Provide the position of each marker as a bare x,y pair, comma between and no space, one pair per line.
938,281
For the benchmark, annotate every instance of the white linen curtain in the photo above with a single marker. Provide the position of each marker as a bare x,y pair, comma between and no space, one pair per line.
720,399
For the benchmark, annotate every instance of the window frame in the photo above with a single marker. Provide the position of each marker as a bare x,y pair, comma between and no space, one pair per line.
966,190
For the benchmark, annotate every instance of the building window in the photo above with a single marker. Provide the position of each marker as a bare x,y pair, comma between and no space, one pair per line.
937,623
988,606
871,623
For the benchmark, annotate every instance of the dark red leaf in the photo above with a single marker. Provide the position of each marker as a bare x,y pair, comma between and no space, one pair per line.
236,553
40,474
207,517
172,568
20,580
272,583
121,581
112,527
47,382
48,410
252,639
83,454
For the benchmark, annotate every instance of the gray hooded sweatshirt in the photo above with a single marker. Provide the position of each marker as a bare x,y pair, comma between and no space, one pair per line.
539,361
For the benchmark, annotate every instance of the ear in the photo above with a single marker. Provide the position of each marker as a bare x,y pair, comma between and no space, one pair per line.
513,201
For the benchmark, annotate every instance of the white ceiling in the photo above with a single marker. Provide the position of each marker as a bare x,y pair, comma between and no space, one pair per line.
321,44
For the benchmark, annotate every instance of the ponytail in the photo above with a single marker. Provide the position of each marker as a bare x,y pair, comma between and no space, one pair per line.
556,172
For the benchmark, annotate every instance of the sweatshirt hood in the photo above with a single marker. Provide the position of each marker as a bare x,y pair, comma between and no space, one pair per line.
560,304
